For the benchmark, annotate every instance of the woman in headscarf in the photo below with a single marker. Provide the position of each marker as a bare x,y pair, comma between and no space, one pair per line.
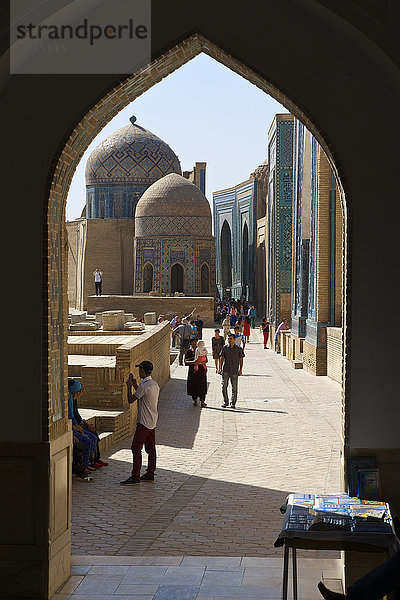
196,379
85,441
90,431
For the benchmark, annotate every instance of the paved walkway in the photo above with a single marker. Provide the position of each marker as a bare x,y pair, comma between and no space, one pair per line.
192,578
222,474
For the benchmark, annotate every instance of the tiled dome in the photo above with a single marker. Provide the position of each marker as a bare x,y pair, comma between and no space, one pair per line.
131,154
173,206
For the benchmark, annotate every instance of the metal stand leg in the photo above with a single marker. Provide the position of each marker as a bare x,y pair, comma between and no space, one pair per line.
294,573
285,571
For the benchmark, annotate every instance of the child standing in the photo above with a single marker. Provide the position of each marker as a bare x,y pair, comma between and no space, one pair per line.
200,355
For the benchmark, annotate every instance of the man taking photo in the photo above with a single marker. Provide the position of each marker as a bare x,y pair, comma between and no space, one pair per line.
146,394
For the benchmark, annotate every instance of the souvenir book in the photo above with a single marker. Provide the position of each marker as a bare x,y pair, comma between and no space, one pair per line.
368,484
354,463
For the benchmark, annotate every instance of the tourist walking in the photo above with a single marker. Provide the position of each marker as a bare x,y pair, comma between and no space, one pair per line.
218,313
98,279
217,343
253,315
185,333
226,324
146,394
199,324
231,365
265,331
239,339
196,383
246,328
281,327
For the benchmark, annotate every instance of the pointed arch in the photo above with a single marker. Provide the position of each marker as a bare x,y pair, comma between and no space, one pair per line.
147,278
245,255
226,258
177,278
205,279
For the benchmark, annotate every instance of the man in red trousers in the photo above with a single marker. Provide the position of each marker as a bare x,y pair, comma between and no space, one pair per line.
146,394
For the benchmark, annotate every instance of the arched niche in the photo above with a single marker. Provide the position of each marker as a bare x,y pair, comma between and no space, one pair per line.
177,278
226,258
147,278
205,279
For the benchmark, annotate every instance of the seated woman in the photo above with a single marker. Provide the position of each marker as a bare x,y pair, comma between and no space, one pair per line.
89,430
85,441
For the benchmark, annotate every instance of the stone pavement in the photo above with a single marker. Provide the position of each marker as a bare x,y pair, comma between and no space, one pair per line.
222,473
192,578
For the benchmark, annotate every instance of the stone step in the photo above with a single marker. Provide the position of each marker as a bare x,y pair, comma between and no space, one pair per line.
106,441
297,364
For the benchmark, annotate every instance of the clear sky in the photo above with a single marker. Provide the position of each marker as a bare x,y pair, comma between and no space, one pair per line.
205,112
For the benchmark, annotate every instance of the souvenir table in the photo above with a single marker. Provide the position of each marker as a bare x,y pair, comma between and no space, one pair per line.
333,522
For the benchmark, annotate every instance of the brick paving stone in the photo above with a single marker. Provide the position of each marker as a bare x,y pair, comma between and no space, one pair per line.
222,474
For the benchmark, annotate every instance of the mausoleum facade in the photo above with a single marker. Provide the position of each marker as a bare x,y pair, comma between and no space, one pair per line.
172,243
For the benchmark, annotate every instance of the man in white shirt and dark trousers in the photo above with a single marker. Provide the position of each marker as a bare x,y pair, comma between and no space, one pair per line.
146,393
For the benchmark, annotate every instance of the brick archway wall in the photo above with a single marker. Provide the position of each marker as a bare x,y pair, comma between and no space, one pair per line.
55,421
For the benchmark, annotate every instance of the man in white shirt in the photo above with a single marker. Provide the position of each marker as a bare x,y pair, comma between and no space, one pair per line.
98,278
146,394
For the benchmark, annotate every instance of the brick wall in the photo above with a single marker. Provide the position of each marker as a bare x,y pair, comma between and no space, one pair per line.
103,243
104,387
334,353
323,238
161,305
314,359
339,260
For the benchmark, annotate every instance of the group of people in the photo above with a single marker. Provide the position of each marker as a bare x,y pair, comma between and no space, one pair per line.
236,311
183,330
86,454
228,359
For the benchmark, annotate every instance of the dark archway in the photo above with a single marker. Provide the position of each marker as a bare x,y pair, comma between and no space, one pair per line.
353,48
177,278
226,259
148,278
204,279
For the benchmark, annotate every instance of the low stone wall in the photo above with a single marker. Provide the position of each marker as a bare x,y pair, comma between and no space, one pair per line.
334,336
161,305
314,359
104,386
112,426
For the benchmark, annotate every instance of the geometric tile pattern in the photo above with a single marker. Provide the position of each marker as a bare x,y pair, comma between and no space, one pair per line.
280,219
131,154
165,225
237,207
163,253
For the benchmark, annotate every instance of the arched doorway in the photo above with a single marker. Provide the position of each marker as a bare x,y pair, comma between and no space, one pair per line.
205,279
245,261
148,278
177,278
177,270
309,31
226,259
